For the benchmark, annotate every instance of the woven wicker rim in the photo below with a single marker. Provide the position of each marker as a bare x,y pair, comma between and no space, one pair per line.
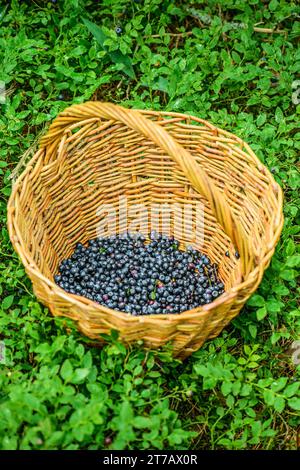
185,160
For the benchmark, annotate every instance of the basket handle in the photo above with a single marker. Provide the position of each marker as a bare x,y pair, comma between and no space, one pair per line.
93,110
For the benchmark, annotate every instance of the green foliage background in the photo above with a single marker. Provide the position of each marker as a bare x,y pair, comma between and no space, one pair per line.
240,390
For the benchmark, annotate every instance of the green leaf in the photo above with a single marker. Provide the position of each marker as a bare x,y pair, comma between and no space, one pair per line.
261,313
116,56
246,390
294,403
287,274
66,371
121,347
294,179
201,370
250,412
280,289
293,261
275,337
226,388
242,361
290,248
87,360
141,422
230,401
162,85
279,116
273,5
256,428
79,375
253,330
114,350
236,387
274,306
261,119
279,384
7,302
154,374
126,413
269,397
256,301
291,389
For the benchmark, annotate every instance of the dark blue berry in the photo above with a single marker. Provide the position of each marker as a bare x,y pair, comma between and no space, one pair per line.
127,274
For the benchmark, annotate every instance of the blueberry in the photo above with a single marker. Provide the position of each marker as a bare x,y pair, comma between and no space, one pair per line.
125,273
205,260
207,298
118,30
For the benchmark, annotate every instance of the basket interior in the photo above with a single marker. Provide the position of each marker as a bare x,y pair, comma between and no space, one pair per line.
66,193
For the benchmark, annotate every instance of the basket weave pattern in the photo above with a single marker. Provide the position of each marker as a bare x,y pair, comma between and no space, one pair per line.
96,152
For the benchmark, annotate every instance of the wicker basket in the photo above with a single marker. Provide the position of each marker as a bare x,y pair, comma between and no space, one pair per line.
96,152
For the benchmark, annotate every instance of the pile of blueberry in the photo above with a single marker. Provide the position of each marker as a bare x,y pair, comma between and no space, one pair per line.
125,273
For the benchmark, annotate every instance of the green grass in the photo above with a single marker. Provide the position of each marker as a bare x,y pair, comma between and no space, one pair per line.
241,390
